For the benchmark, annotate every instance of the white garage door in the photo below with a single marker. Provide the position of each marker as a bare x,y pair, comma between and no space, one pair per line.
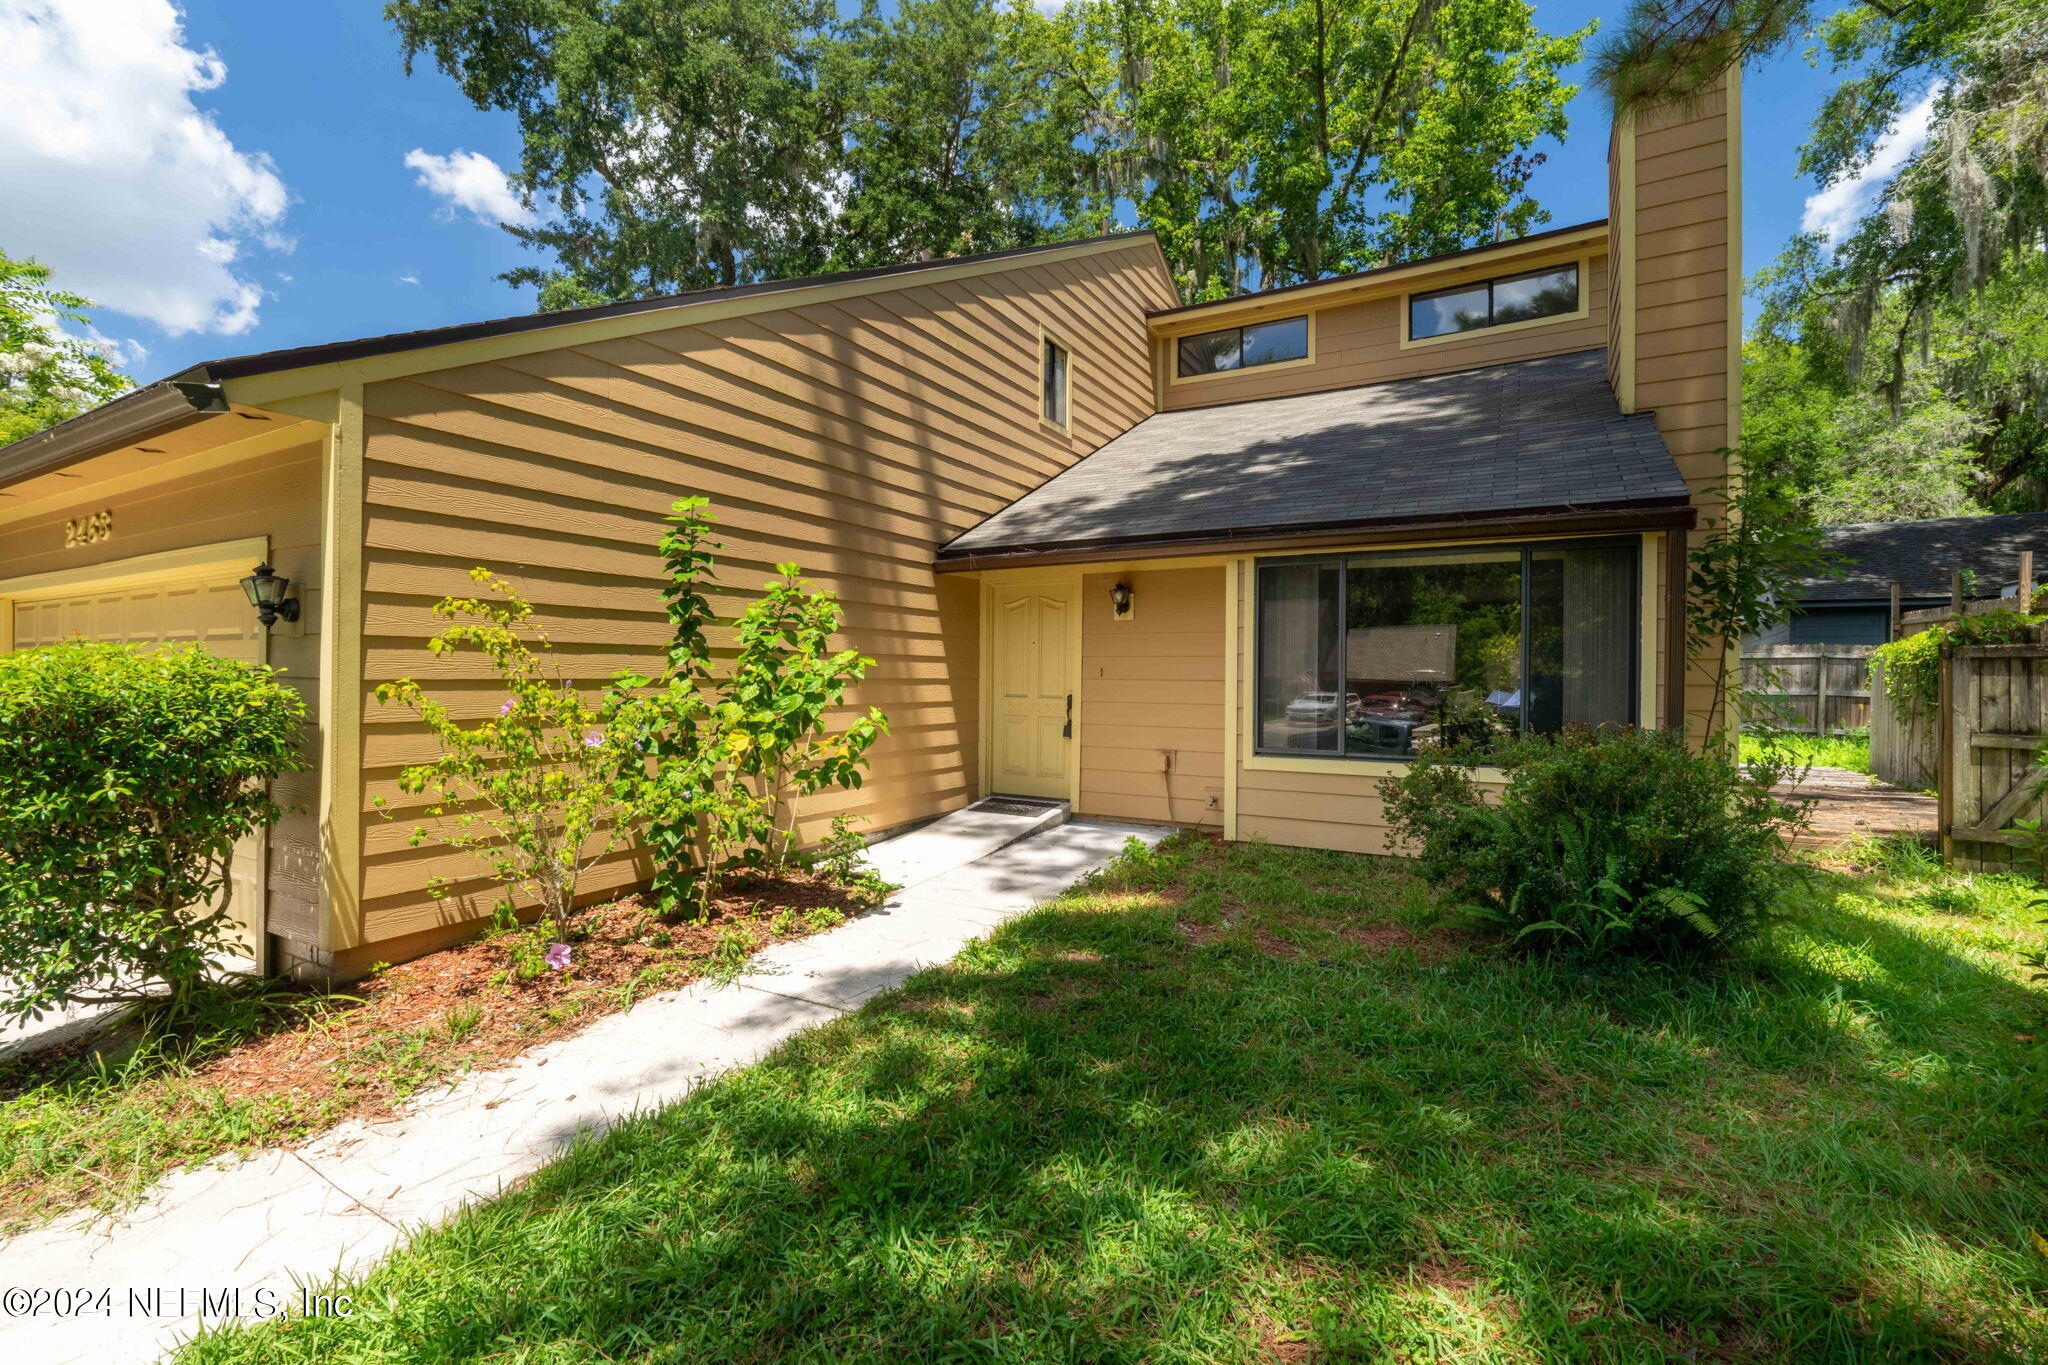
198,606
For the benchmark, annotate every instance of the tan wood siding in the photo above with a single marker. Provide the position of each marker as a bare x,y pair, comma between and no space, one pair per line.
852,436
274,495
1360,343
1684,297
1152,698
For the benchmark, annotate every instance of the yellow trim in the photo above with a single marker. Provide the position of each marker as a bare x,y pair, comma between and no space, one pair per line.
341,678
1233,587
277,387
1622,213
1174,377
137,570
1392,281
1047,334
1585,310
71,492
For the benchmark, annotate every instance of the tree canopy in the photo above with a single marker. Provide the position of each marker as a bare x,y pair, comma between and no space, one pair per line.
673,147
46,374
1899,362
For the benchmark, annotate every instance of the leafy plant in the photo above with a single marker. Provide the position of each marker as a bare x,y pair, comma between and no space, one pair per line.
126,779
534,792
728,754
1743,578
785,682
1912,665
1604,842
46,374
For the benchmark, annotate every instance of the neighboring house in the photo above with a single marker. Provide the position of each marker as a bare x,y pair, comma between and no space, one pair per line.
1220,565
1853,606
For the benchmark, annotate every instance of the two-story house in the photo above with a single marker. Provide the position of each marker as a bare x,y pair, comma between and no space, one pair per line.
1223,565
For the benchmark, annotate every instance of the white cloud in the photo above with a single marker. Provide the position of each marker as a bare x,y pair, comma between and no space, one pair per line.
115,179
408,279
470,181
1835,211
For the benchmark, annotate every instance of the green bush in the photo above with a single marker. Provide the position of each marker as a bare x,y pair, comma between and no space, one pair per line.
125,780
1603,843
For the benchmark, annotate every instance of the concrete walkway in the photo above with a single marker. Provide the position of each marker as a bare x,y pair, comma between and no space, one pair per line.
270,1221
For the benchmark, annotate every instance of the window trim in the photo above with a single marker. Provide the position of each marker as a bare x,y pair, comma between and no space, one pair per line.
1258,756
1048,337
1405,319
1174,376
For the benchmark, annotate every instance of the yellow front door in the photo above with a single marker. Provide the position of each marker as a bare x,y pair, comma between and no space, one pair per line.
1032,690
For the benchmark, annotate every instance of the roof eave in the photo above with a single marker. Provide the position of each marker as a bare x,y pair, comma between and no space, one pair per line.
1651,514
138,415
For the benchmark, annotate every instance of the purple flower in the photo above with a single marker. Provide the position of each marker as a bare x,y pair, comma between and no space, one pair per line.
557,956
506,709
593,740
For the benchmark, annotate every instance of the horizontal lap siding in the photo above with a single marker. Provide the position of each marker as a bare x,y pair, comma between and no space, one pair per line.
852,437
1360,343
1683,308
1152,698
275,495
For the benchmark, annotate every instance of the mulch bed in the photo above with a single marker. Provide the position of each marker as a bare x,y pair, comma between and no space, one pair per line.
475,1011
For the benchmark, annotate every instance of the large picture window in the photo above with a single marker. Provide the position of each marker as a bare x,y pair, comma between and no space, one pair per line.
1548,293
1375,655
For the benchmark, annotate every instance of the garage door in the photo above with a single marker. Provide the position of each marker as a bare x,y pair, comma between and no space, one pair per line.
200,606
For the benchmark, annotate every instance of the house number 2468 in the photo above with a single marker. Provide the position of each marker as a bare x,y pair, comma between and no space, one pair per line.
88,530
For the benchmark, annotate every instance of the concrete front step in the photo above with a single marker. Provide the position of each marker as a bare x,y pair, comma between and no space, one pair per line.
953,841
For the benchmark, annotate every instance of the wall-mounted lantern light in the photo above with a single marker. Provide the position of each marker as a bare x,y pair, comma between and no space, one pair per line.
268,594
1120,599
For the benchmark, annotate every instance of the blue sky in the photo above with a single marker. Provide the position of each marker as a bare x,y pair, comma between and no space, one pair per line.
251,179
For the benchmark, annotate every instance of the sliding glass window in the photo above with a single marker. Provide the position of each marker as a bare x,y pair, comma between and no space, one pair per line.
1375,655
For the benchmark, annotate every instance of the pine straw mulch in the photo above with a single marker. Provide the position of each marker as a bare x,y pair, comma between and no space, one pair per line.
302,1063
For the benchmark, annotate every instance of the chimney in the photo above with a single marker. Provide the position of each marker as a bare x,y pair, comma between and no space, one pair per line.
1674,327
1674,321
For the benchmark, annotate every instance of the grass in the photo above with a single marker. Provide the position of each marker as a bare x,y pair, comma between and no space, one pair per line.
97,1124
1849,750
1249,1104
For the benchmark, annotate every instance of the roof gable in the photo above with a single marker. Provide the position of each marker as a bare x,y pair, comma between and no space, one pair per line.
1533,436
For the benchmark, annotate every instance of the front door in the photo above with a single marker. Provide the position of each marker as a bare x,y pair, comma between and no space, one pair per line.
1032,704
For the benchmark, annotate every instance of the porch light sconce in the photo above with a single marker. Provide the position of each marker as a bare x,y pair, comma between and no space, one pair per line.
267,593
1120,600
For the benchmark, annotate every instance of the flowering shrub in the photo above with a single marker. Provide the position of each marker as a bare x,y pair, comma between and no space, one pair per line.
534,791
126,779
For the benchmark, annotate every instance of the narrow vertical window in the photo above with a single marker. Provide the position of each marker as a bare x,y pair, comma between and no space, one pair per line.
1055,383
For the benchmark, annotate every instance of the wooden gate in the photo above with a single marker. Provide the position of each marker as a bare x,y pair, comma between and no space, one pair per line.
1994,710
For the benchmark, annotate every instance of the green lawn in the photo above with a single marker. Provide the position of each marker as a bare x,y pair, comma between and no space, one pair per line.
1253,1103
1850,750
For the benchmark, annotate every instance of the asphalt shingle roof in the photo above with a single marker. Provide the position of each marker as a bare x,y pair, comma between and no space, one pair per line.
1920,555
1531,436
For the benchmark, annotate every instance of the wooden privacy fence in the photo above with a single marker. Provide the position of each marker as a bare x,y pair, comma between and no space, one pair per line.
1810,689
1904,748
1993,712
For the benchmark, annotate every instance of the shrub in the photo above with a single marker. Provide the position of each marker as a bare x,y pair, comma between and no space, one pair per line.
728,755
534,792
1604,842
125,780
